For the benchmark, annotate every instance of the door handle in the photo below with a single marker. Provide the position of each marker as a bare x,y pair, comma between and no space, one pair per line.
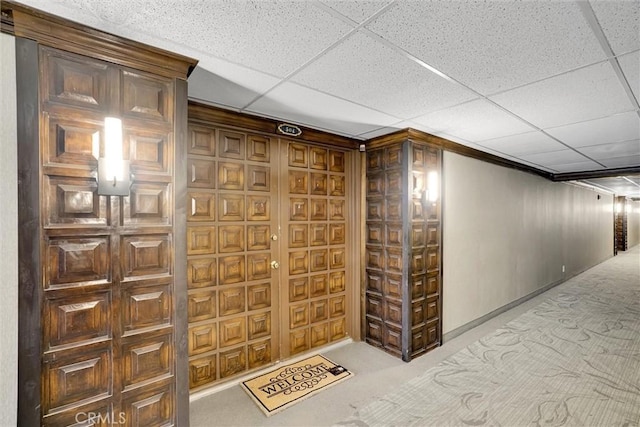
274,237
275,265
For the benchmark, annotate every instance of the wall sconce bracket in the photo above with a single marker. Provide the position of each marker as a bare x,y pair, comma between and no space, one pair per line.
108,185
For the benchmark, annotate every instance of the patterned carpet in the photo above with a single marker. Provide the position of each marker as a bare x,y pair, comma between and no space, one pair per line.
574,360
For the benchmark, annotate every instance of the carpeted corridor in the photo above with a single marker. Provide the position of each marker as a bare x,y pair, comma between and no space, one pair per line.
573,360
568,357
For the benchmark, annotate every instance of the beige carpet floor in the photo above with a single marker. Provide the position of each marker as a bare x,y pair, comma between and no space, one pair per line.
573,360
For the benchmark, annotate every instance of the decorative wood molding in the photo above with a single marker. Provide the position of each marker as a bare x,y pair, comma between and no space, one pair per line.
204,113
454,147
46,29
604,173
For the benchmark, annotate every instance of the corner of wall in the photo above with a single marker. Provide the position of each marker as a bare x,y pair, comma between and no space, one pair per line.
8,234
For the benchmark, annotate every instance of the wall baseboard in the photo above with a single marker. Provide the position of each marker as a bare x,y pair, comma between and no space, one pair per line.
480,320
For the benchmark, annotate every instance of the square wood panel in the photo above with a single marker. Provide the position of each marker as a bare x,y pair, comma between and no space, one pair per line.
298,182
148,254
147,359
232,145
201,272
74,201
75,319
147,97
148,151
233,362
258,148
258,208
258,237
336,161
77,260
231,300
233,331
298,289
298,209
259,353
201,240
201,206
202,141
75,80
231,176
318,158
201,173
145,306
298,155
231,238
231,269
259,296
201,305
231,207
258,178
202,370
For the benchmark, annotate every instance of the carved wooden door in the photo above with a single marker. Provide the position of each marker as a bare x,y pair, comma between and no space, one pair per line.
314,262
230,227
108,320
266,244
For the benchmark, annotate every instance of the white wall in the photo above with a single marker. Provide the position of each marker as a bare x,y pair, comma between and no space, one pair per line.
8,234
507,234
633,224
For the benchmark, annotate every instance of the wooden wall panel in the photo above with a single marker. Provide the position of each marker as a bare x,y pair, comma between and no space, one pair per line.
229,228
402,295
108,294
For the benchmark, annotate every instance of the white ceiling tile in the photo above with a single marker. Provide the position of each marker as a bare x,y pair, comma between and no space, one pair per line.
231,85
620,21
315,109
555,158
616,149
272,36
474,121
619,162
630,65
524,143
495,45
365,71
577,167
357,10
580,95
619,127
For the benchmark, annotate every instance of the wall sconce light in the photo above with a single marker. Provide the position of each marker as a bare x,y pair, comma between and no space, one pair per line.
432,193
113,171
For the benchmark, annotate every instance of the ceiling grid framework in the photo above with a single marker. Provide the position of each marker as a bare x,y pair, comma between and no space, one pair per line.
552,85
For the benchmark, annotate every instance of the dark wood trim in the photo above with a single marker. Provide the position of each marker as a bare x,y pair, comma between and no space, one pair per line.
454,147
203,113
572,176
29,238
180,256
51,30
407,251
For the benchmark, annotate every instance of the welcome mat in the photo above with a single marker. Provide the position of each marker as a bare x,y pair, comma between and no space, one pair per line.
289,384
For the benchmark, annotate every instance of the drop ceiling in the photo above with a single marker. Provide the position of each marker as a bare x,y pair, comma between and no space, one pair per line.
551,84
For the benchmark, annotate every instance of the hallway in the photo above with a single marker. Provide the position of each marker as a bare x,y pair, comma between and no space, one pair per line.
580,340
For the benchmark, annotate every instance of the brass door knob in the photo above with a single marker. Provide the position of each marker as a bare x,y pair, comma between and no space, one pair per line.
275,265
274,237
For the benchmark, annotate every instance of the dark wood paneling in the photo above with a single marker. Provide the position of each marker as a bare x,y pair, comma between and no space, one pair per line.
104,310
403,246
30,234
